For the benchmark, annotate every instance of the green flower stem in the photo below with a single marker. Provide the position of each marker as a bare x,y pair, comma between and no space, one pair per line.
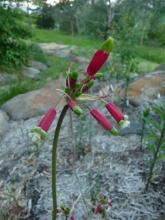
142,134
54,161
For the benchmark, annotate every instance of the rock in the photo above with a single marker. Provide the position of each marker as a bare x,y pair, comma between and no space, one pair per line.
33,103
162,217
134,102
38,65
4,125
7,78
56,49
146,88
63,51
160,67
114,164
31,72
134,128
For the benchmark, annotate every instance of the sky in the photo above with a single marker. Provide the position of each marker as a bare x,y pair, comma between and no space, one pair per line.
52,2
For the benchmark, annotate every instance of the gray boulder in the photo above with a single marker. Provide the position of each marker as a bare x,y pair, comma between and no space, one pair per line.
38,65
33,103
31,72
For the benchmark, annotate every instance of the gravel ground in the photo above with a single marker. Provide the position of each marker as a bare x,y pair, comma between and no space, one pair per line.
92,164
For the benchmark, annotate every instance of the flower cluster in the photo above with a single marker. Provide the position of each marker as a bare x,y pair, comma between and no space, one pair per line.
103,205
76,90
65,211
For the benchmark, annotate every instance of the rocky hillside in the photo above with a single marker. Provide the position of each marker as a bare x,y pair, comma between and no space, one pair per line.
90,161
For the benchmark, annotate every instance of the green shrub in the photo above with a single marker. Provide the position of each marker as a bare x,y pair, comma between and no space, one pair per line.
14,51
45,19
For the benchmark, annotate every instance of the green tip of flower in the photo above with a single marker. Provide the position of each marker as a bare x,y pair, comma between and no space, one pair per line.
114,131
73,75
99,75
77,110
39,131
108,45
124,123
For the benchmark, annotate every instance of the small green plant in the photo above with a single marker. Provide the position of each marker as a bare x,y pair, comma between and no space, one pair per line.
145,115
155,138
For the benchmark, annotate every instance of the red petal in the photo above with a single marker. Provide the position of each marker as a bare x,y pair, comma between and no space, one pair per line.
72,217
97,62
98,209
110,204
115,112
102,120
48,119
71,103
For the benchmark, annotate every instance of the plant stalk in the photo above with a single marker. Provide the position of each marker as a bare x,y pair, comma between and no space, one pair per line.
54,161
155,157
142,134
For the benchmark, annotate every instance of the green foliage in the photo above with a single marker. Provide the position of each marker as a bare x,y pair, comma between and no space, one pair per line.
48,36
37,54
92,19
145,66
14,51
153,54
45,19
64,13
155,137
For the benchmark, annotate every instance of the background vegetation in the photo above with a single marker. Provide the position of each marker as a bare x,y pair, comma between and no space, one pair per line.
137,26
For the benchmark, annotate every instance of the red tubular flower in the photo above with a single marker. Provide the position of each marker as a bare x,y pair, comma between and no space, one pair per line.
98,209
115,112
100,57
103,121
48,119
73,105
97,62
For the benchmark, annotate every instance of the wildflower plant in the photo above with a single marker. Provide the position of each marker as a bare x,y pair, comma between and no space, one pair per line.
155,137
77,91
145,115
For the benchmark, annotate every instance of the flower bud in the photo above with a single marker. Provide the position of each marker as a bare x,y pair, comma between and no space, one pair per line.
87,86
75,108
48,119
98,209
114,111
107,45
71,80
103,121
45,123
117,114
97,62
